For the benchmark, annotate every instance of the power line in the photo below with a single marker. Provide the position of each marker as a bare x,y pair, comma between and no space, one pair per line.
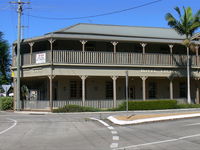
98,15
4,8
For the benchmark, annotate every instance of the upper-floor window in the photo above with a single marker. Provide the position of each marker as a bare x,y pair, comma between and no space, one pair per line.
90,47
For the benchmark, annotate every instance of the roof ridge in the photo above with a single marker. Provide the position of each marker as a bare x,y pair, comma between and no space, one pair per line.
122,25
66,28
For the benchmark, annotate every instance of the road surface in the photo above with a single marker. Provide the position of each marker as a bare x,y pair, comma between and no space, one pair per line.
76,132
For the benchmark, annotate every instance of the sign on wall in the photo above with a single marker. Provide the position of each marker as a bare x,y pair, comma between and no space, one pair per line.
40,58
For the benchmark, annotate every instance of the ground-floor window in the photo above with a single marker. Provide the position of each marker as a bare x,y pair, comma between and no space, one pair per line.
152,90
109,89
182,90
132,92
75,89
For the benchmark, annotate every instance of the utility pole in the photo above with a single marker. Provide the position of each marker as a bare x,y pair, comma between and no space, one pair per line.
19,12
22,31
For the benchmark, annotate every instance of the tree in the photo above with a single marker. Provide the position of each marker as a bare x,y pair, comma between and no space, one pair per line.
186,24
5,61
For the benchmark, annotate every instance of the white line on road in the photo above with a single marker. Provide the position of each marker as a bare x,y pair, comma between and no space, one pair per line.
158,142
14,124
115,138
104,123
114,132
193,124
114,145
111,128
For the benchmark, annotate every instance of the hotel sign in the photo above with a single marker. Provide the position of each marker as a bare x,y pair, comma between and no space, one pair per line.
40,58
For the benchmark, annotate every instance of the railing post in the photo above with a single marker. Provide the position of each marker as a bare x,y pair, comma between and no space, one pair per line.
143,52
31,51
144,87
114,43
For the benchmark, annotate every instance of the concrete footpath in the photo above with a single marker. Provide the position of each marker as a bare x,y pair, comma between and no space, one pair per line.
145,118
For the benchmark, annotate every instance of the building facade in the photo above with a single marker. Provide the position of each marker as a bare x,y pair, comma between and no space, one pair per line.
86,64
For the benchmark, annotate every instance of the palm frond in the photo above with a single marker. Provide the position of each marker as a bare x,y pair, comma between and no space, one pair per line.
178,11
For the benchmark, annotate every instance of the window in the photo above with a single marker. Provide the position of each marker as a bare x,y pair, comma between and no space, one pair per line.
73,88
109,89
90,47
182,90
152,90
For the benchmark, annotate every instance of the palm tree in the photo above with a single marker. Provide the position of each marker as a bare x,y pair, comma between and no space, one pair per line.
186,24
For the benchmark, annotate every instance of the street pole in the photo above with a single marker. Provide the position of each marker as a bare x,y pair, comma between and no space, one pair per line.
188,77
19,11
127,91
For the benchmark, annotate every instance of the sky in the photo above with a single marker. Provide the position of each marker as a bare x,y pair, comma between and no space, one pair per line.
150,15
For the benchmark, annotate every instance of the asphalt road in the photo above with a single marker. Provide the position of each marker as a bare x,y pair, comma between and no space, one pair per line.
75,132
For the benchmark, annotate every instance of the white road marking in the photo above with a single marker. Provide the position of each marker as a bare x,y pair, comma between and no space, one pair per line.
114,145
104,123
14,124
137,121
193,124
111,128
114,132
115,138
158,142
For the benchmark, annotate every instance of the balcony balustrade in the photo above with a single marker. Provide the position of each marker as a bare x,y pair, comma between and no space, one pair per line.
105,58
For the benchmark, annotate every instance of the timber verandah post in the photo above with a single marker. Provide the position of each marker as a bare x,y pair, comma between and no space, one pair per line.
197,90
83,42
51,76
143,52
171,87
114,43
171,53
144,87
83,77
114,91
31,51
197,54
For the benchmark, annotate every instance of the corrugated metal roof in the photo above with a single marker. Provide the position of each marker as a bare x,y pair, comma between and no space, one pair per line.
127,31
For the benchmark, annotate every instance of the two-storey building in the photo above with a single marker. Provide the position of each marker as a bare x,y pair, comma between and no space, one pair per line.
86,64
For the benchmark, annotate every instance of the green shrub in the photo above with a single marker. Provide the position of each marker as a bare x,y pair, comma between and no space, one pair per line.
188,106
148,105
6,103
75,108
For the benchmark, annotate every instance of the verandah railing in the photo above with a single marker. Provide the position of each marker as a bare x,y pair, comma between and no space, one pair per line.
44,104
107,58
